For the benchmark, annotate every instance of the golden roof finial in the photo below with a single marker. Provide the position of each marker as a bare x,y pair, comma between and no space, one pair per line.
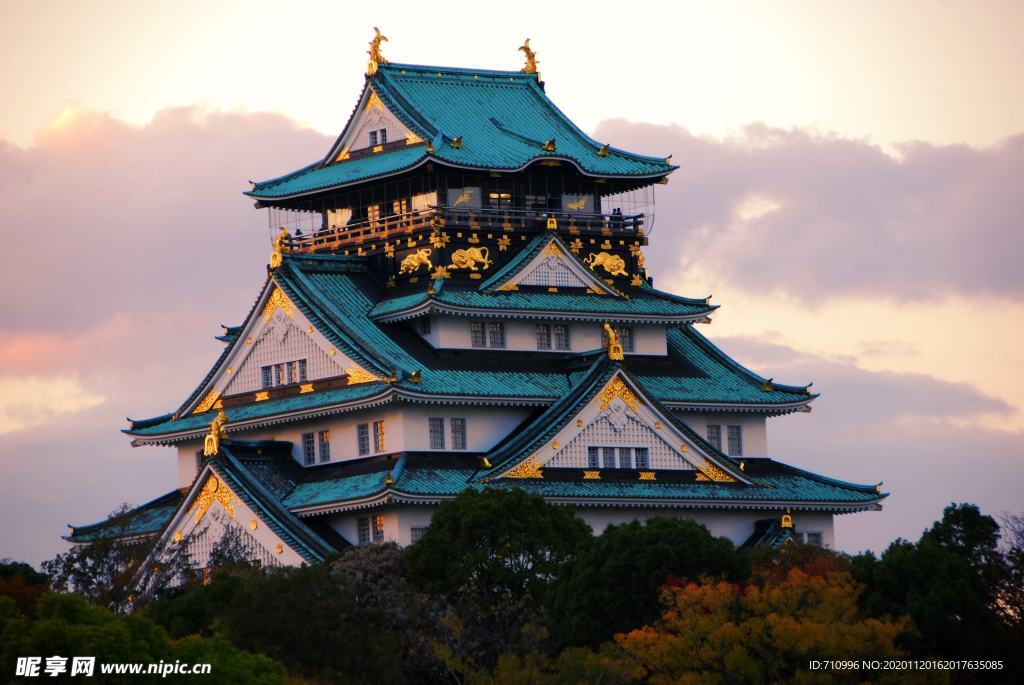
613,345
280,247
211,445
787,520
531,59
374,52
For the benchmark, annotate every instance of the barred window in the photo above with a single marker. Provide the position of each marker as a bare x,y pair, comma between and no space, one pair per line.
458,434
594,457
308,447
373,137
302,371
561,336
813,539
378,528
417,532
325,446
280,371
625,457
274,375
476,334
436,433
736,441
267,377
543,336
715,436
626,338
383,136
364,530
643,459
608,457
496,334
378,436
363,435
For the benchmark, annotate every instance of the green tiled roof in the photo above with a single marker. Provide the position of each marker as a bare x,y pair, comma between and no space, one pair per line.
502,118
144,520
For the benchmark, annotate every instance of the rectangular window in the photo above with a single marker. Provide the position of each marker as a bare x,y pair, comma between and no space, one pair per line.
302,371
325,446
625,457
458,434
476,334
715,436
561,336
813,539
496,334
417,533
363,434
267,377
543,336
643,460
735,441
378,436
436,433
626,338
308,447
373,137
378,528
279,372
383,136
608,457
364,531
594,457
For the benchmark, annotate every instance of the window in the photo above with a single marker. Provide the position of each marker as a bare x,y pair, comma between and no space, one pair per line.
373,137
284,373
363,435
491,334
500,199
813,539
642,457
562,336
436,433
364,530
594,457
715,436
378,528
543,336
735,441
626,338
383,136
476,334
308,449
425,325
496,334
625,457
378,436
199,460
371,529
417,533
608,457
458,434
325,446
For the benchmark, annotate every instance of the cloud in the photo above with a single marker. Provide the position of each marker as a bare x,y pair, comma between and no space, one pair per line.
29,401
814,216
907,430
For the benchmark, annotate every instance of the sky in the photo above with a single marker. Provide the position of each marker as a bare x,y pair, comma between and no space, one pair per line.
850,191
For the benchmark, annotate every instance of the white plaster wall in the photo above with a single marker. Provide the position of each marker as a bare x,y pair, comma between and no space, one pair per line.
735,525
452,332
754,429
485,426
187,462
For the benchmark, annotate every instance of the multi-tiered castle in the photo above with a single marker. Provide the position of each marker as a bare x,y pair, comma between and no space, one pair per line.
457,299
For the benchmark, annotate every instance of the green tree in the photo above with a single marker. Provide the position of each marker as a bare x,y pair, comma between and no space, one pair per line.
615,584
22,583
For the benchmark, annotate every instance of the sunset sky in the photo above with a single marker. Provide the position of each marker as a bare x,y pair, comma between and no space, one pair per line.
851,191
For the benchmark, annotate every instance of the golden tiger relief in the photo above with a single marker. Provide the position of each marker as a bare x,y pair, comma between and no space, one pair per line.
470,257
613,264
417,259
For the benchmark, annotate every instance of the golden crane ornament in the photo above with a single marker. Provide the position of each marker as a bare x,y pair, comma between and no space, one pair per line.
374,52
531,58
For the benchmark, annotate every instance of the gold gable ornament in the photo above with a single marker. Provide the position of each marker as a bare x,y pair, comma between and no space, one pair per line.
213,491
612,344
787,520
374,52
211,444
531,59
280,248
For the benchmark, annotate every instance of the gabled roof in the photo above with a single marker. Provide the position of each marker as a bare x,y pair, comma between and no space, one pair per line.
142,521
548,243
471,118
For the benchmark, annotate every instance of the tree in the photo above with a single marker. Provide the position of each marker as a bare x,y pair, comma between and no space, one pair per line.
719,632
615,583
22,583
